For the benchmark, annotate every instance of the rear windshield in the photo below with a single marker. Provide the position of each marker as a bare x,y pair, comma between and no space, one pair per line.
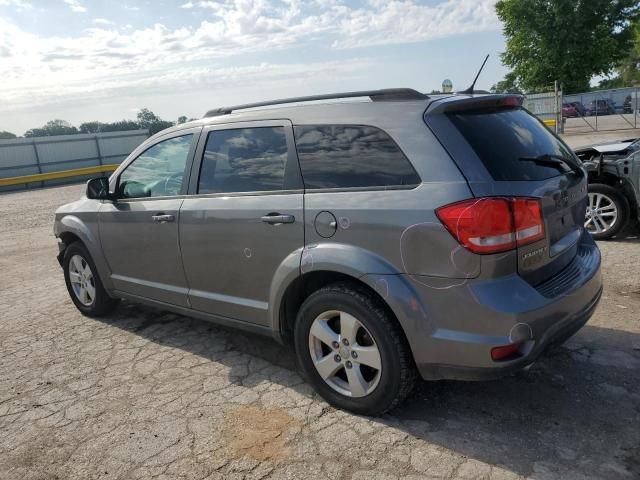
514,145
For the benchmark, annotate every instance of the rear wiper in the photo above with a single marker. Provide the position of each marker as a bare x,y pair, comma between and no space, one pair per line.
549,159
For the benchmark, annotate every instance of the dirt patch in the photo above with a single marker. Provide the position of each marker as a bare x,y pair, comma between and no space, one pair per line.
262,434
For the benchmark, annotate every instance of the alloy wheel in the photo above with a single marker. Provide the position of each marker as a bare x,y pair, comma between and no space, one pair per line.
345,354
602,213
82,281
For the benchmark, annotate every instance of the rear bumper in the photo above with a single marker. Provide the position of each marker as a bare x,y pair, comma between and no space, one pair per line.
483,314
556,335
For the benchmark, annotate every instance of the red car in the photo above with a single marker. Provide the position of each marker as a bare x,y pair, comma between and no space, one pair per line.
569,110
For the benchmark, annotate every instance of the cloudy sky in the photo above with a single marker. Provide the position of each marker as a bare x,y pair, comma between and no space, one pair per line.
83,60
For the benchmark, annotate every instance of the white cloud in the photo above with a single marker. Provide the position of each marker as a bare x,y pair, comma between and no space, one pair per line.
76,6
386,22
102,21
105,59
188,5
15,3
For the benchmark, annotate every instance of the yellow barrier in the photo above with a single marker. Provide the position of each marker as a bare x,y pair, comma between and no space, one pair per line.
39,177
549,123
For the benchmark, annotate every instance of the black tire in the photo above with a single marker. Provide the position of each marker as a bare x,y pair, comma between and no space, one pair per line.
622,205
397,376
102,303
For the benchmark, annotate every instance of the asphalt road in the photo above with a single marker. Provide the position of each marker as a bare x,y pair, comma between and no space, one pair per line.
146,394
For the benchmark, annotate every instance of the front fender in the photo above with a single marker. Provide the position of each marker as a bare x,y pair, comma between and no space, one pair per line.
89,236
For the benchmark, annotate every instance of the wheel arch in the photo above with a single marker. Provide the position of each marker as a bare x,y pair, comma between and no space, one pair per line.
70,229
393,289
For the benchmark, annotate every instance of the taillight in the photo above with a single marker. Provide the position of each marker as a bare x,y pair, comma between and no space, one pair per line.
493,224
528,223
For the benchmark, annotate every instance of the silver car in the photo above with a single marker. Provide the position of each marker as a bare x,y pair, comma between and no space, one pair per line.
383,237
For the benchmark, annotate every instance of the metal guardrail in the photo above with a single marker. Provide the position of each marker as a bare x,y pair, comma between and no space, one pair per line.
36,162
41,177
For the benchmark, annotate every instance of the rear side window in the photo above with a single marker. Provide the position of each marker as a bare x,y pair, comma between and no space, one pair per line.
244,160
344,156
513,145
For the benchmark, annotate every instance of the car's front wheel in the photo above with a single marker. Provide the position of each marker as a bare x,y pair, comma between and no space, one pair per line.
352,350
607,211
83,283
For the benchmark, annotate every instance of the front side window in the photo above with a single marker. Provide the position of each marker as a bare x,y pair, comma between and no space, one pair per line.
158,172
244,160
345,156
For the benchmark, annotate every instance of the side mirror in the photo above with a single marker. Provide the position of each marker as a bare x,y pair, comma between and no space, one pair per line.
98,189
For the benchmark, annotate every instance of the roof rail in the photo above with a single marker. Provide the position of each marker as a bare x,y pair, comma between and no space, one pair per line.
375,95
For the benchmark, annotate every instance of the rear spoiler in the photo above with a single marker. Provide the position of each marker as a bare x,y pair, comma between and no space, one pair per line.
456,103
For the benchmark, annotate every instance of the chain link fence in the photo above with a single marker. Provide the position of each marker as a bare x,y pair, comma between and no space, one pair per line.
601,110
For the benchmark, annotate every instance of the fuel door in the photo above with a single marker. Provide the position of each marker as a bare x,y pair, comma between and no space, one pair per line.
325,224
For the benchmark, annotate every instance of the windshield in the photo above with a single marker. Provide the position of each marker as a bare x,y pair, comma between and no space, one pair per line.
507,140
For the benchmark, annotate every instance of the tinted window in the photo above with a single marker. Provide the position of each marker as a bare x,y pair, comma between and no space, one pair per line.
244,160
509,141
342,156
158,171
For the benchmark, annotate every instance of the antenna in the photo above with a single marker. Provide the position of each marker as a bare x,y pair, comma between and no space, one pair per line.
470,89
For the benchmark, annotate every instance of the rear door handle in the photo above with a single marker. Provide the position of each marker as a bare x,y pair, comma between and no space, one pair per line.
163,218
276,218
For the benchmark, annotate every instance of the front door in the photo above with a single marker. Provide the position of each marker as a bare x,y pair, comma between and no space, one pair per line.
139,230
244,220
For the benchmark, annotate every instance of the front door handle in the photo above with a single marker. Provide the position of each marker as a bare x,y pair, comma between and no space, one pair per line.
163,218
276,218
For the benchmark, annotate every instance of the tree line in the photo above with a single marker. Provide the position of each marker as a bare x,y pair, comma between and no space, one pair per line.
145,120
569,41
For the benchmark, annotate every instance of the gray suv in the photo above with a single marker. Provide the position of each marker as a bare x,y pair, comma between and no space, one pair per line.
383,236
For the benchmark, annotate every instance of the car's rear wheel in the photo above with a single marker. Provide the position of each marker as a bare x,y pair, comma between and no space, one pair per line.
607,211
83,283
352,350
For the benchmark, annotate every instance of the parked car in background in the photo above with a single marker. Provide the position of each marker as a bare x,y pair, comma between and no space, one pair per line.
614,185
603,106
569,110
573,109
579,108
381,239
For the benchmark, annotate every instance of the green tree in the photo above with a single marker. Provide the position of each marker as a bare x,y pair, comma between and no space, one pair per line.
508,84
91,127
100,127
150,121
182,119
146,118
627,74
120,126
566,40
52,128
629,70
4,135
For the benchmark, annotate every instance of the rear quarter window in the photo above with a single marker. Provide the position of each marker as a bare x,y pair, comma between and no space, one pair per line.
347,156
504,138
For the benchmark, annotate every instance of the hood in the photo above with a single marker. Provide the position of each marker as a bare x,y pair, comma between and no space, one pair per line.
607,147
612,147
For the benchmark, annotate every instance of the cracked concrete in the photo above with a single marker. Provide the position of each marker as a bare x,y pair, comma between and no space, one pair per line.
144,394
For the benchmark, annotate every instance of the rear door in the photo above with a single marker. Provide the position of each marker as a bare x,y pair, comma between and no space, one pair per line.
503,150
244,219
